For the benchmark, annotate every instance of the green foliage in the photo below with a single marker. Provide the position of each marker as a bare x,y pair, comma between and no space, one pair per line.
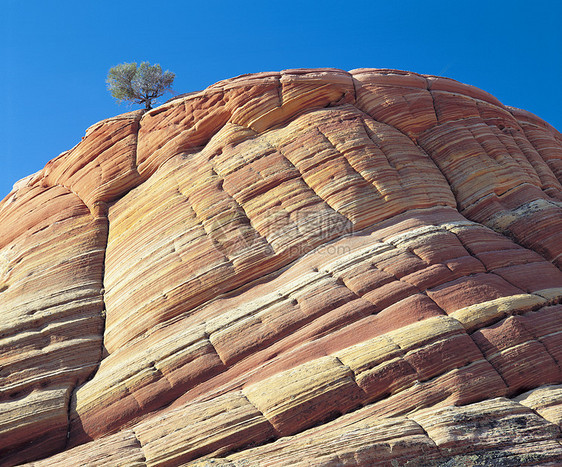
139,84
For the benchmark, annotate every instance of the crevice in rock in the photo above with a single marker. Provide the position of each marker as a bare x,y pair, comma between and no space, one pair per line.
506,232
498,372
304,179
102,351
535,338
428,87
538,338
280,91
418,146
68,414
369,134
428,437
214,233
483,150
493,271
343,155
531,160
354,83
489,223
469,250
259,411
537,150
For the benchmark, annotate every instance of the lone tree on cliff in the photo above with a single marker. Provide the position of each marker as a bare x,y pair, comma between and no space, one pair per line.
139,84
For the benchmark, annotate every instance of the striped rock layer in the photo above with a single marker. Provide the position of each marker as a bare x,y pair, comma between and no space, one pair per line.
311,267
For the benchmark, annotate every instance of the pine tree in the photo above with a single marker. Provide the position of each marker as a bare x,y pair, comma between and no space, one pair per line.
139,85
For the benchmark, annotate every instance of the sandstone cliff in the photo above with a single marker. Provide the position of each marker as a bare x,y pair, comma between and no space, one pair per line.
311,267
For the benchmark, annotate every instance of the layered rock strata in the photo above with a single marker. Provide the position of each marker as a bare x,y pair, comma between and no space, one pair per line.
311,267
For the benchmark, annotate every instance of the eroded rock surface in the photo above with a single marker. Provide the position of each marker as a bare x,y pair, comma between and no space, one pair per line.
312,267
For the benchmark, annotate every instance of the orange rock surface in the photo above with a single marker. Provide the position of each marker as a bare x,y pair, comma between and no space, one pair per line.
311,267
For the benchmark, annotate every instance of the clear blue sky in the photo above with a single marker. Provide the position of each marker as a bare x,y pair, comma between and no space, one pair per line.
55,54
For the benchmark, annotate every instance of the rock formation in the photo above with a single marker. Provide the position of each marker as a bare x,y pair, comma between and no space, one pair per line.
311,267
